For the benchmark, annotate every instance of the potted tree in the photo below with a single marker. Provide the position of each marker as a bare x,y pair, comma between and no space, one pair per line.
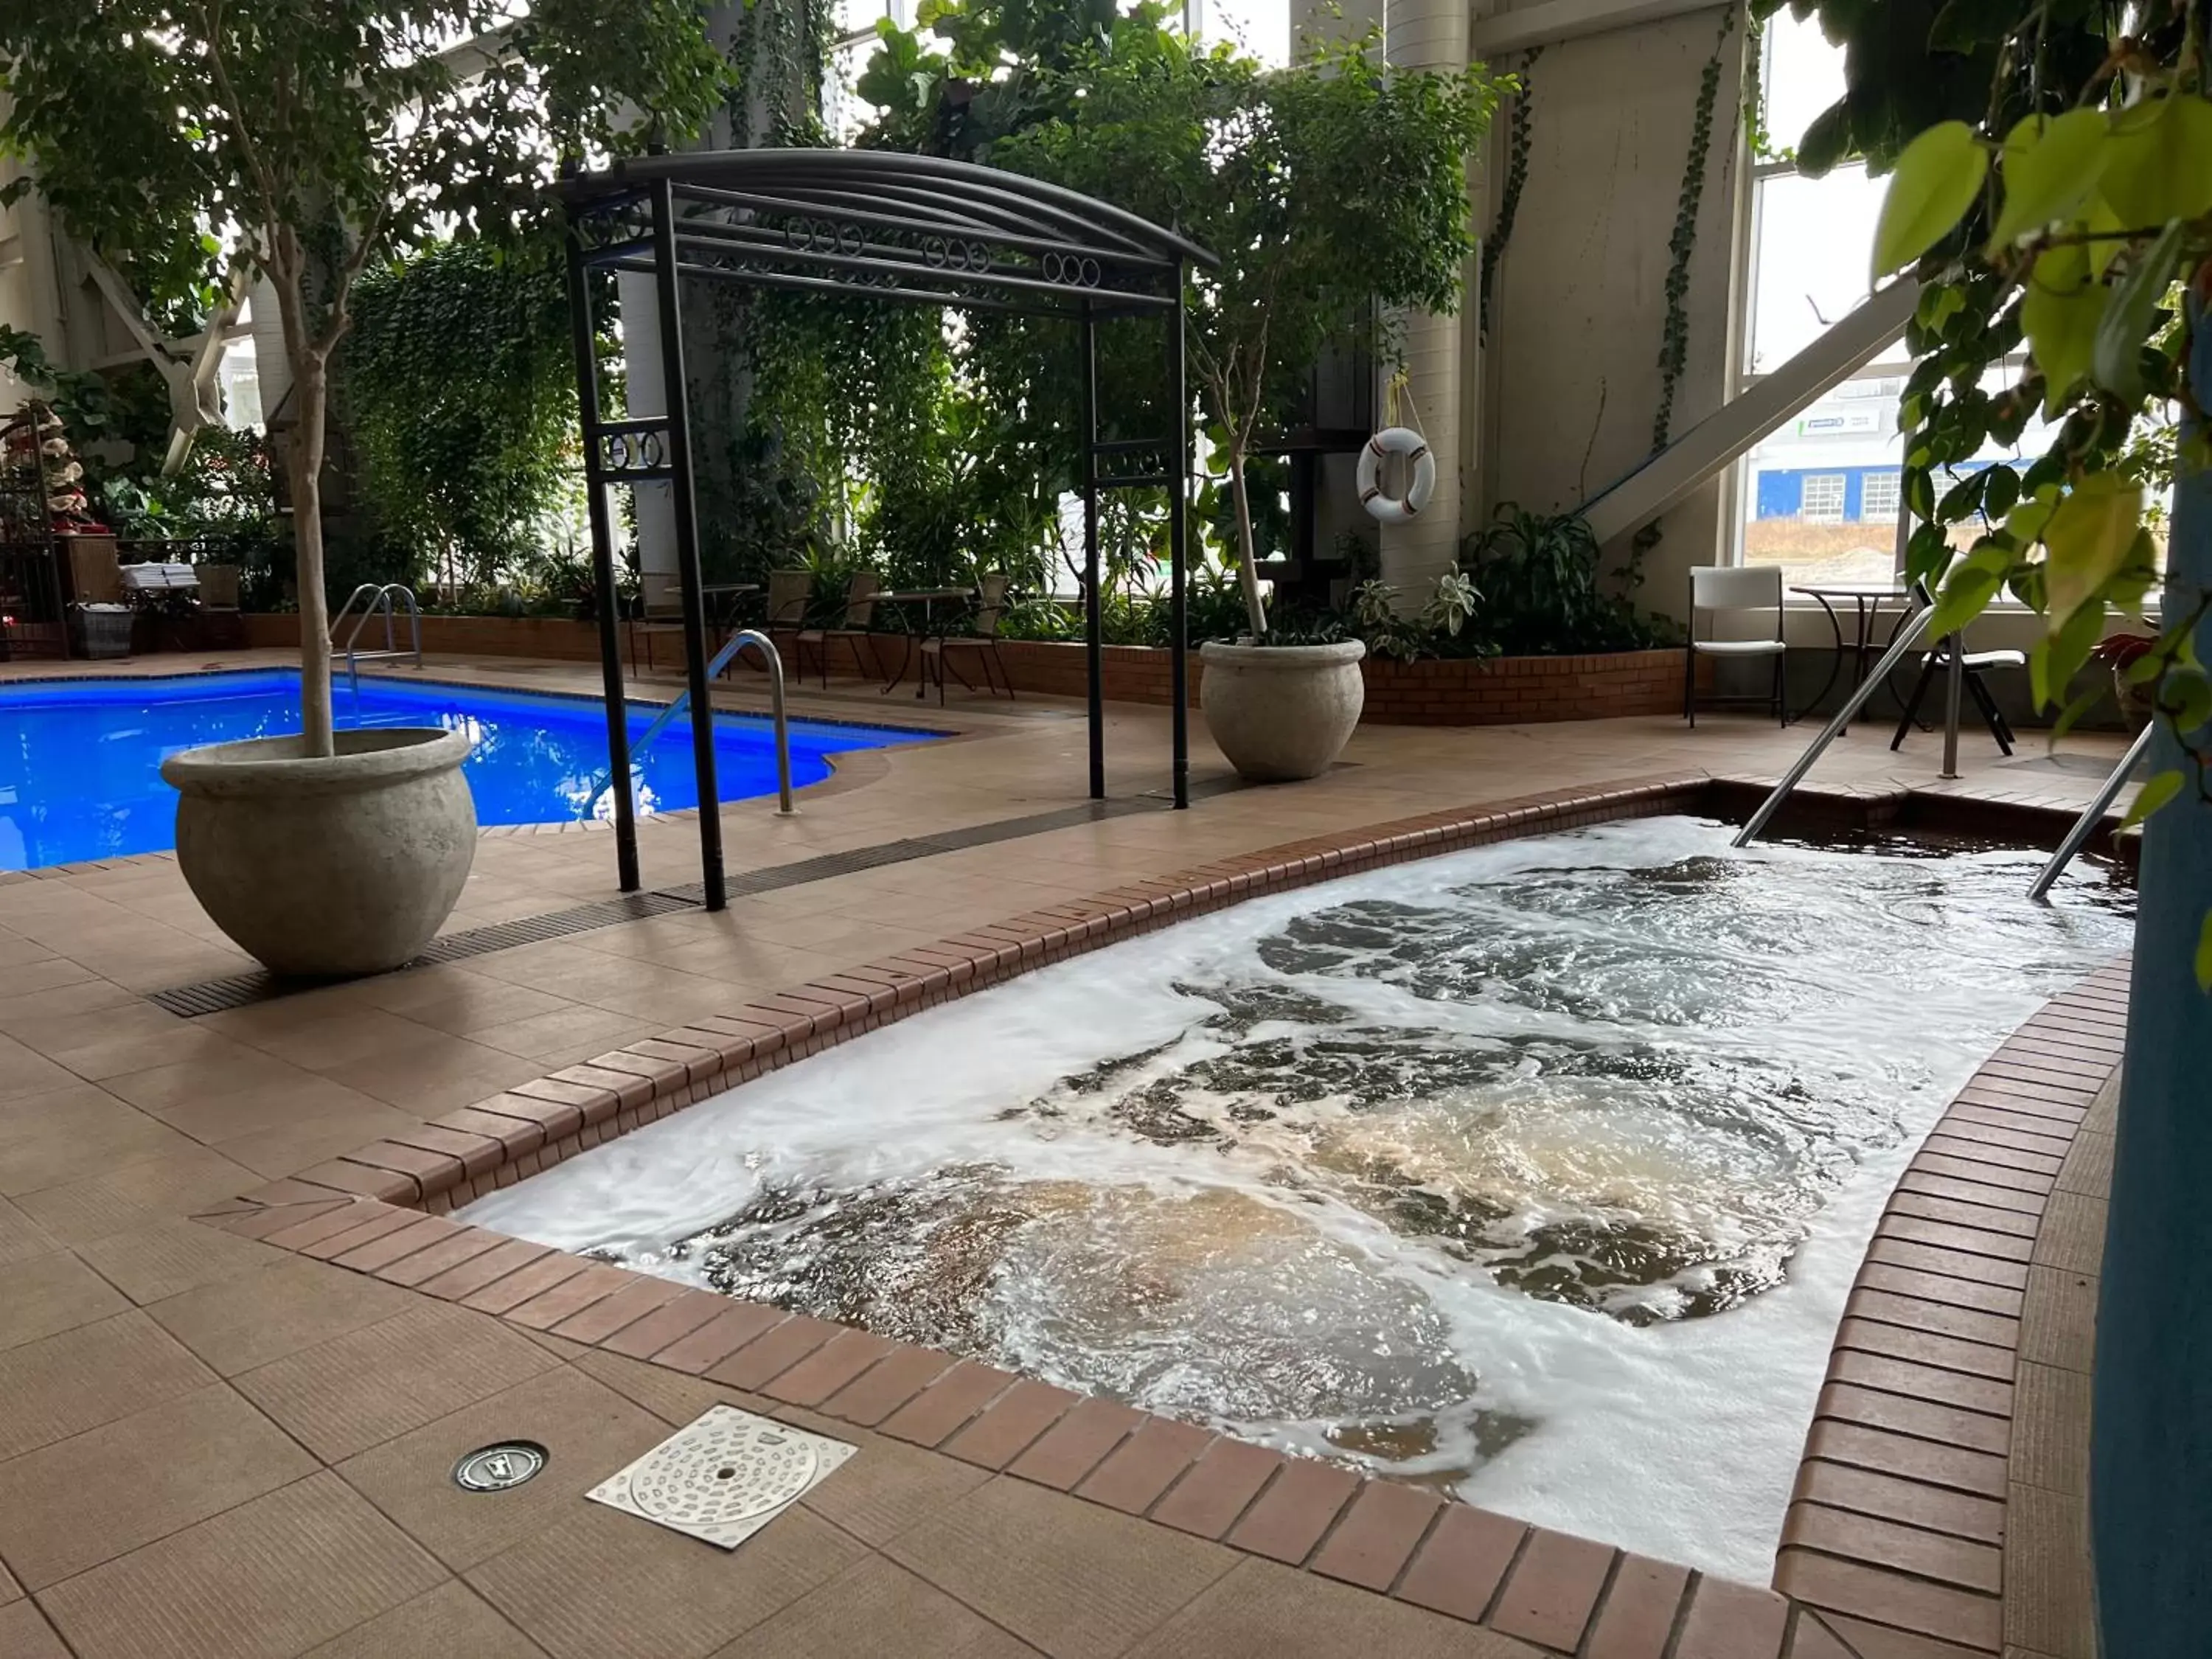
300,140
1331,191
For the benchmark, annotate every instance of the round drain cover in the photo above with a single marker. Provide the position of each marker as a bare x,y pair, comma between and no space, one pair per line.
497,1468
723,1472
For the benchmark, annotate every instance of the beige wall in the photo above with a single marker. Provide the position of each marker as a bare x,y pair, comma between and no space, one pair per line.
1577,317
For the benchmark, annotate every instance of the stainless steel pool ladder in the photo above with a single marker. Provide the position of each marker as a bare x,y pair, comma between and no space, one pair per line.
2086,825
722,658
383,600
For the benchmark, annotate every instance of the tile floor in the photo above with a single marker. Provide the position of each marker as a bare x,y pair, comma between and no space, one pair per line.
210,1446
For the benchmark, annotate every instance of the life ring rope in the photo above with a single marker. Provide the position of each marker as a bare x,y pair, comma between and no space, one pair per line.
1396,439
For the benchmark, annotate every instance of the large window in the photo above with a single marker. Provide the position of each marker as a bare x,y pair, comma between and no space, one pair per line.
1820,494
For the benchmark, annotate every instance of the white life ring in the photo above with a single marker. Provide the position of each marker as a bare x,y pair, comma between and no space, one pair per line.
1396,440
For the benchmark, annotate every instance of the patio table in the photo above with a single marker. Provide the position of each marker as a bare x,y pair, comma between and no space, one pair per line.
927,598
1866,600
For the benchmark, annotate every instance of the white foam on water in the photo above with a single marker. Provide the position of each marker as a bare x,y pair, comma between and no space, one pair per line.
1817,1007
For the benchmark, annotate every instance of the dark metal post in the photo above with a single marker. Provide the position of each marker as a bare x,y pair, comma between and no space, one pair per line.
603,566
1178,536
687,540
1093,610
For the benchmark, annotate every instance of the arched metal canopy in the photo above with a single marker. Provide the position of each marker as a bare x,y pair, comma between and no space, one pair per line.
865,224
919,228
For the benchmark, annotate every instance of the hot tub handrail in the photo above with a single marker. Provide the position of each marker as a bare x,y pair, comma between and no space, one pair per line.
2086,825
721,660
1907,636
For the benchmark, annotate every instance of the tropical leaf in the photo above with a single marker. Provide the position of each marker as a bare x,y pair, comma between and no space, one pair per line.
2051,166
2157,790
2117,361
2060,313
1937,177
2159,162
2089,538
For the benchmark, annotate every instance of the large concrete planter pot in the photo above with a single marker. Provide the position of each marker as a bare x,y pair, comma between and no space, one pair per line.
1282,711
323,867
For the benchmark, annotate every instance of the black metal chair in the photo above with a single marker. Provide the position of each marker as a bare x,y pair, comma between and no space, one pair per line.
1975,665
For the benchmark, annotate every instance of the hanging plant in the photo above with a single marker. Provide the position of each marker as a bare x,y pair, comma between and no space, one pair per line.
1518,141
1674,331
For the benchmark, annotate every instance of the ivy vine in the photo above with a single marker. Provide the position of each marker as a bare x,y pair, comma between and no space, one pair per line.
1518,141
779,54
1674,332
460,394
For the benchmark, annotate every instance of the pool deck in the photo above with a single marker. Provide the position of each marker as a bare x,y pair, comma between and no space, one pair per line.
216,1440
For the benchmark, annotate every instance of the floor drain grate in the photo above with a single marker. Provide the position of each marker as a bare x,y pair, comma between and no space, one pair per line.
241,990
723,1478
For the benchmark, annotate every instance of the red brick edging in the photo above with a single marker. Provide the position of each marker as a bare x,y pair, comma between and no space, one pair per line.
1943,1487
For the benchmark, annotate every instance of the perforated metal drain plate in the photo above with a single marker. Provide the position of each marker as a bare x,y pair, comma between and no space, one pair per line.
723,1478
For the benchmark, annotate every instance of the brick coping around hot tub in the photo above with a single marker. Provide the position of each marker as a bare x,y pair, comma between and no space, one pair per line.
1944,1490
1937,1512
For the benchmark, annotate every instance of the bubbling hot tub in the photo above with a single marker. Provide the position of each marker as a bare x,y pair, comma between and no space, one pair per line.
1538,1173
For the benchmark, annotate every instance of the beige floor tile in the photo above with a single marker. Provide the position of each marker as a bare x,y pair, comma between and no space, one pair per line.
434,1074
20,1236
341,1038
1263,1611
87,1499
287,1147
240,1323
64,1384
64,1135
601,1585
875,1610
1075,1580
574,1032
452,1622
588,1431
267,1580
133,1038
147,1264
50,1293
176,1183
24,1071
27,1010
358,1390
888,1488
25,1633
216,1100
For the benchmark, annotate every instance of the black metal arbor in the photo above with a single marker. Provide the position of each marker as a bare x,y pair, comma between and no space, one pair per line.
907,229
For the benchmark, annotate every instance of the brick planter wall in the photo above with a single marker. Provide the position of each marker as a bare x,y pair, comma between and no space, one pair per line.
1501,691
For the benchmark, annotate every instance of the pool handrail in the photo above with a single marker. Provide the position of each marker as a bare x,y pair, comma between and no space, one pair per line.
384,599
2086,825
1907,636
722,658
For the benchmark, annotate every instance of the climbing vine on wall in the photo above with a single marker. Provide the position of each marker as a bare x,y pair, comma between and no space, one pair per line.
1675,333
1519,137
460,392
779,54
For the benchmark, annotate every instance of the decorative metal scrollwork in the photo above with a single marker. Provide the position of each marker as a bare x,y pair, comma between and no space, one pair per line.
1076,271
632,452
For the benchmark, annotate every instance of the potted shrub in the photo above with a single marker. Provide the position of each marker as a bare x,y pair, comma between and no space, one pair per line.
1329,190
199,148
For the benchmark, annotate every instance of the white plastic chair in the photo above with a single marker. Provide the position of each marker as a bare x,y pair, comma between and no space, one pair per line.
1718,589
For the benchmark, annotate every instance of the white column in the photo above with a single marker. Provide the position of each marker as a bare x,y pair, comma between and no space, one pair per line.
272,369
1429,34
648,395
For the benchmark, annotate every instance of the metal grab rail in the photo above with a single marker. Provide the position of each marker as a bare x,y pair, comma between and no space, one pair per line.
2086,825
384,599
1907,637
722,661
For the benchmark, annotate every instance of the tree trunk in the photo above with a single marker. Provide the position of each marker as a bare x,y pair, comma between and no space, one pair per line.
2151,1452
311,397
1248,556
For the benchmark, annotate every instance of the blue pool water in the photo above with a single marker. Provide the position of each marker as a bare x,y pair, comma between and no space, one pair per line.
80,760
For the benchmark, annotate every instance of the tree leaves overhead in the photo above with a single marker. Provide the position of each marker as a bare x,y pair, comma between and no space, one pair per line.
2159,162
2051,168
